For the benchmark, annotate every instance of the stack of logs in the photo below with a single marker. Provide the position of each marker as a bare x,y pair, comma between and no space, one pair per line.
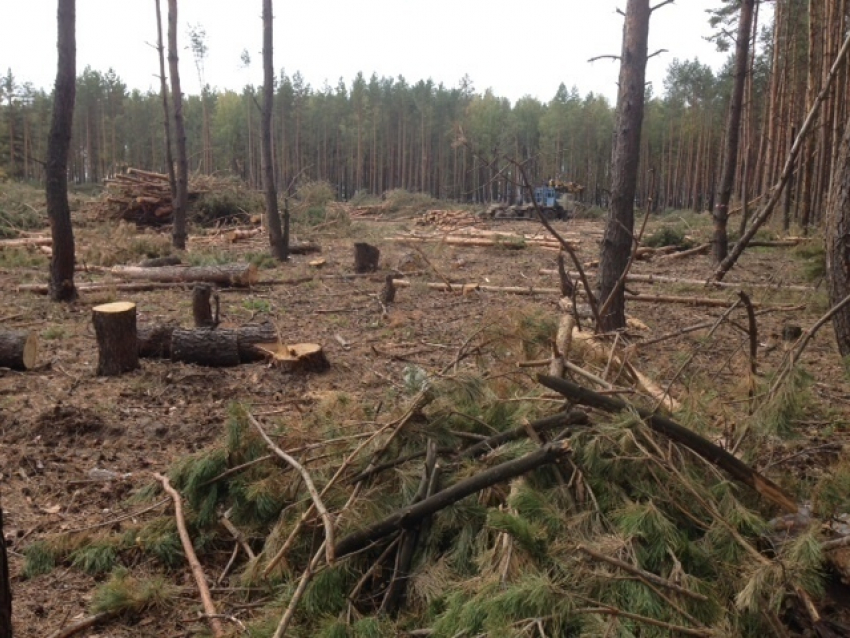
141,197
447,219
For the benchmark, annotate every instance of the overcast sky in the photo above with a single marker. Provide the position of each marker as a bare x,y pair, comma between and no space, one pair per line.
515,48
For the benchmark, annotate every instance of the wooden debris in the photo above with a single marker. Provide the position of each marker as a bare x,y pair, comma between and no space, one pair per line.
142,197
712,453
217,348
447,219
18,349
238,275
299,357
24,242
115,329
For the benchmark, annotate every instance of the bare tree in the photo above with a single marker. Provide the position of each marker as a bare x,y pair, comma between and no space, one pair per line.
163,87
62,262
733,127
617,242
838,243
279,247
178,231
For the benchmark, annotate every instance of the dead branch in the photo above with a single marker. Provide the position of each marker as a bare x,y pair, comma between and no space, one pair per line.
191,557
408,516
712,453
308,482
82,625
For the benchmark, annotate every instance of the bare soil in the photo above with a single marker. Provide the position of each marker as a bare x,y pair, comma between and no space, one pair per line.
60,422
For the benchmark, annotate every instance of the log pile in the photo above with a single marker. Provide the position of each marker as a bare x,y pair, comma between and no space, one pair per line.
447,220
142,197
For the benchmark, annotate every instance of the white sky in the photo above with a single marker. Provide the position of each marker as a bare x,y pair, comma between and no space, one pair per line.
515,48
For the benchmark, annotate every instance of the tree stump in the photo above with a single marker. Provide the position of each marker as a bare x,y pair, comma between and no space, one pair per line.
366,257
155,341
249,336
115,329
18,349
217,348
299,357
201,308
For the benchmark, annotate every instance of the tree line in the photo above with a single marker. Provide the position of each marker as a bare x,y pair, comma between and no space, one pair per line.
376,134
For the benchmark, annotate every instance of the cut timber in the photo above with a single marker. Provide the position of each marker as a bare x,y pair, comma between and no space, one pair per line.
366,257
304,248
115,329
224,275
249,336
155,341
661,279
300,357
238,234
505,241
216,348
26,241
699,250
18,349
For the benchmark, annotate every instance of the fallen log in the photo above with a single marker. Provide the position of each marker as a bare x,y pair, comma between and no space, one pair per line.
712,453
699,250
22,242
239,275
154,341
304,248
662,279
506,241
42,289
247,338
215,348
115,329
18,349
409,516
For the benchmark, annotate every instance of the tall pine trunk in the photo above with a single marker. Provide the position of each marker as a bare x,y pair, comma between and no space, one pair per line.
62,262
733,128
166,120
838,243
617,242
178,231
279,249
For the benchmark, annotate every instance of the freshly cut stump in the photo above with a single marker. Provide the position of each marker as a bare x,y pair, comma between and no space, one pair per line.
216,348
18,349
115,329
299,357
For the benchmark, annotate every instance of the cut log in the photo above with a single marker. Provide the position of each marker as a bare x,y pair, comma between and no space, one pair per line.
240,233
156,262
115,329
155,341
366,257
18,349
216,348
300,357
224,275
201,308
249,336
699,250
304,248
26,241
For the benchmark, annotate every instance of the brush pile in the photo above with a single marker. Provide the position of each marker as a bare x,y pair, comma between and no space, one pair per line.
468,512
141,197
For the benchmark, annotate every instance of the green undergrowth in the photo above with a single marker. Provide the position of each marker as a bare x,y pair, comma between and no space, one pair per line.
538,554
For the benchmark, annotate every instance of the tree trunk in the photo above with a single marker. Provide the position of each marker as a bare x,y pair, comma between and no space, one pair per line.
838,243
733,128
278,247
18,349
5,586
115,329
178,232
617,242
206,347
163,87
56,171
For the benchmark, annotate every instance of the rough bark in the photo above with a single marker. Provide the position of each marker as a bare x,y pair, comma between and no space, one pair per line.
617,242
166,120
178,231
252,334
838,243
56,169
5,586
276,240
733,129
366,257
18,349
205,347
237,275
115,329
154,341
201,308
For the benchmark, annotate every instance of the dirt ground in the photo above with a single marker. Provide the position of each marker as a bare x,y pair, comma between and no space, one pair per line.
60,422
